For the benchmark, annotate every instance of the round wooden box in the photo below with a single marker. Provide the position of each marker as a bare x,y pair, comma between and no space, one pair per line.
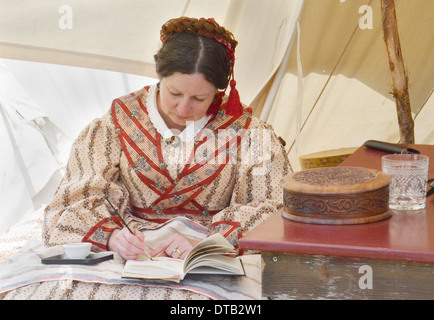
337,195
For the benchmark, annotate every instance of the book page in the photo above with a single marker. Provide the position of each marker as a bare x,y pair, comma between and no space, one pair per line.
212,251
217,264
215,243
159,268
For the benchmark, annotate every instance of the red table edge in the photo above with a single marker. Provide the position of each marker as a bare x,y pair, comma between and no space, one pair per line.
247,243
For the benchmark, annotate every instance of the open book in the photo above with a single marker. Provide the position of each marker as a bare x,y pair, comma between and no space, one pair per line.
213,255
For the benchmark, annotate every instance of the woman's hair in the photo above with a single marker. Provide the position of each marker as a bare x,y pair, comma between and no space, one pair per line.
190,53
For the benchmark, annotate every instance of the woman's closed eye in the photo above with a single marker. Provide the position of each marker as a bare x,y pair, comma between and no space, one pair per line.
175,94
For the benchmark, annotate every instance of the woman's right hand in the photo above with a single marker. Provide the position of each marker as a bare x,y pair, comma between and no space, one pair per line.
126,244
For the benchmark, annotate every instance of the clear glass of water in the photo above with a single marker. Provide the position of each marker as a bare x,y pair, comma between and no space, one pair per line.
409,176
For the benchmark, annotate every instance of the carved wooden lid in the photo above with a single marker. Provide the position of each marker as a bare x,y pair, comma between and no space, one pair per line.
335,180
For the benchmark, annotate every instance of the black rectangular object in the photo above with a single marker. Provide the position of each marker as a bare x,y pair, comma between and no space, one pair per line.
91,259
389,147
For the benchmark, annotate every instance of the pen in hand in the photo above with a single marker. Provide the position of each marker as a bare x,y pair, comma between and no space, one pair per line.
123,221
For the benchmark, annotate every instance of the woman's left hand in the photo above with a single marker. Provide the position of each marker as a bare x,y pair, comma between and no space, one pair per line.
176,247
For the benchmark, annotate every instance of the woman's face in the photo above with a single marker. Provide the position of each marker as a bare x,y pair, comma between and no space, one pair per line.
183,98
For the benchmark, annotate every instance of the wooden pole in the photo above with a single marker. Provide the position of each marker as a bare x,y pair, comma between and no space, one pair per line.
399,74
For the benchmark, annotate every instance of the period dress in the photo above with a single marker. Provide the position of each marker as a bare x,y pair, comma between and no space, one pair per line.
221,171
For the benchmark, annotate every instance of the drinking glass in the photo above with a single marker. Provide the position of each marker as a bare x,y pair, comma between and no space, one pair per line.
409,175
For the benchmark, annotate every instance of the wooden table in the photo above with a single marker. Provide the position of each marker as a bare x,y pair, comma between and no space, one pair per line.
388,259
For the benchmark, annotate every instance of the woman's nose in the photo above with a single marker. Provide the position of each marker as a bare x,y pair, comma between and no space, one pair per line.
183,108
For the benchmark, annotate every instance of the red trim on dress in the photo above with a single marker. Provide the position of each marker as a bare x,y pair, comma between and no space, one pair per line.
135,121
148,182
140,152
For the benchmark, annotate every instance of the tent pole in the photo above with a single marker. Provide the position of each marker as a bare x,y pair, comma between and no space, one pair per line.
399,74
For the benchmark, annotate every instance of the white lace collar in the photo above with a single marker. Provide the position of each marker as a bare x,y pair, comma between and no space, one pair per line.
190,131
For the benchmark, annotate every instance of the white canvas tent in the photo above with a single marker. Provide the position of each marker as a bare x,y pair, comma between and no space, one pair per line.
347,83
331,73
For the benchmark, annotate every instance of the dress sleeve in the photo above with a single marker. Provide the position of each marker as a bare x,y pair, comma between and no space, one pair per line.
257,194
78,211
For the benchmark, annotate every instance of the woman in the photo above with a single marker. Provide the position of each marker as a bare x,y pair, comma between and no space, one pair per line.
178,148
